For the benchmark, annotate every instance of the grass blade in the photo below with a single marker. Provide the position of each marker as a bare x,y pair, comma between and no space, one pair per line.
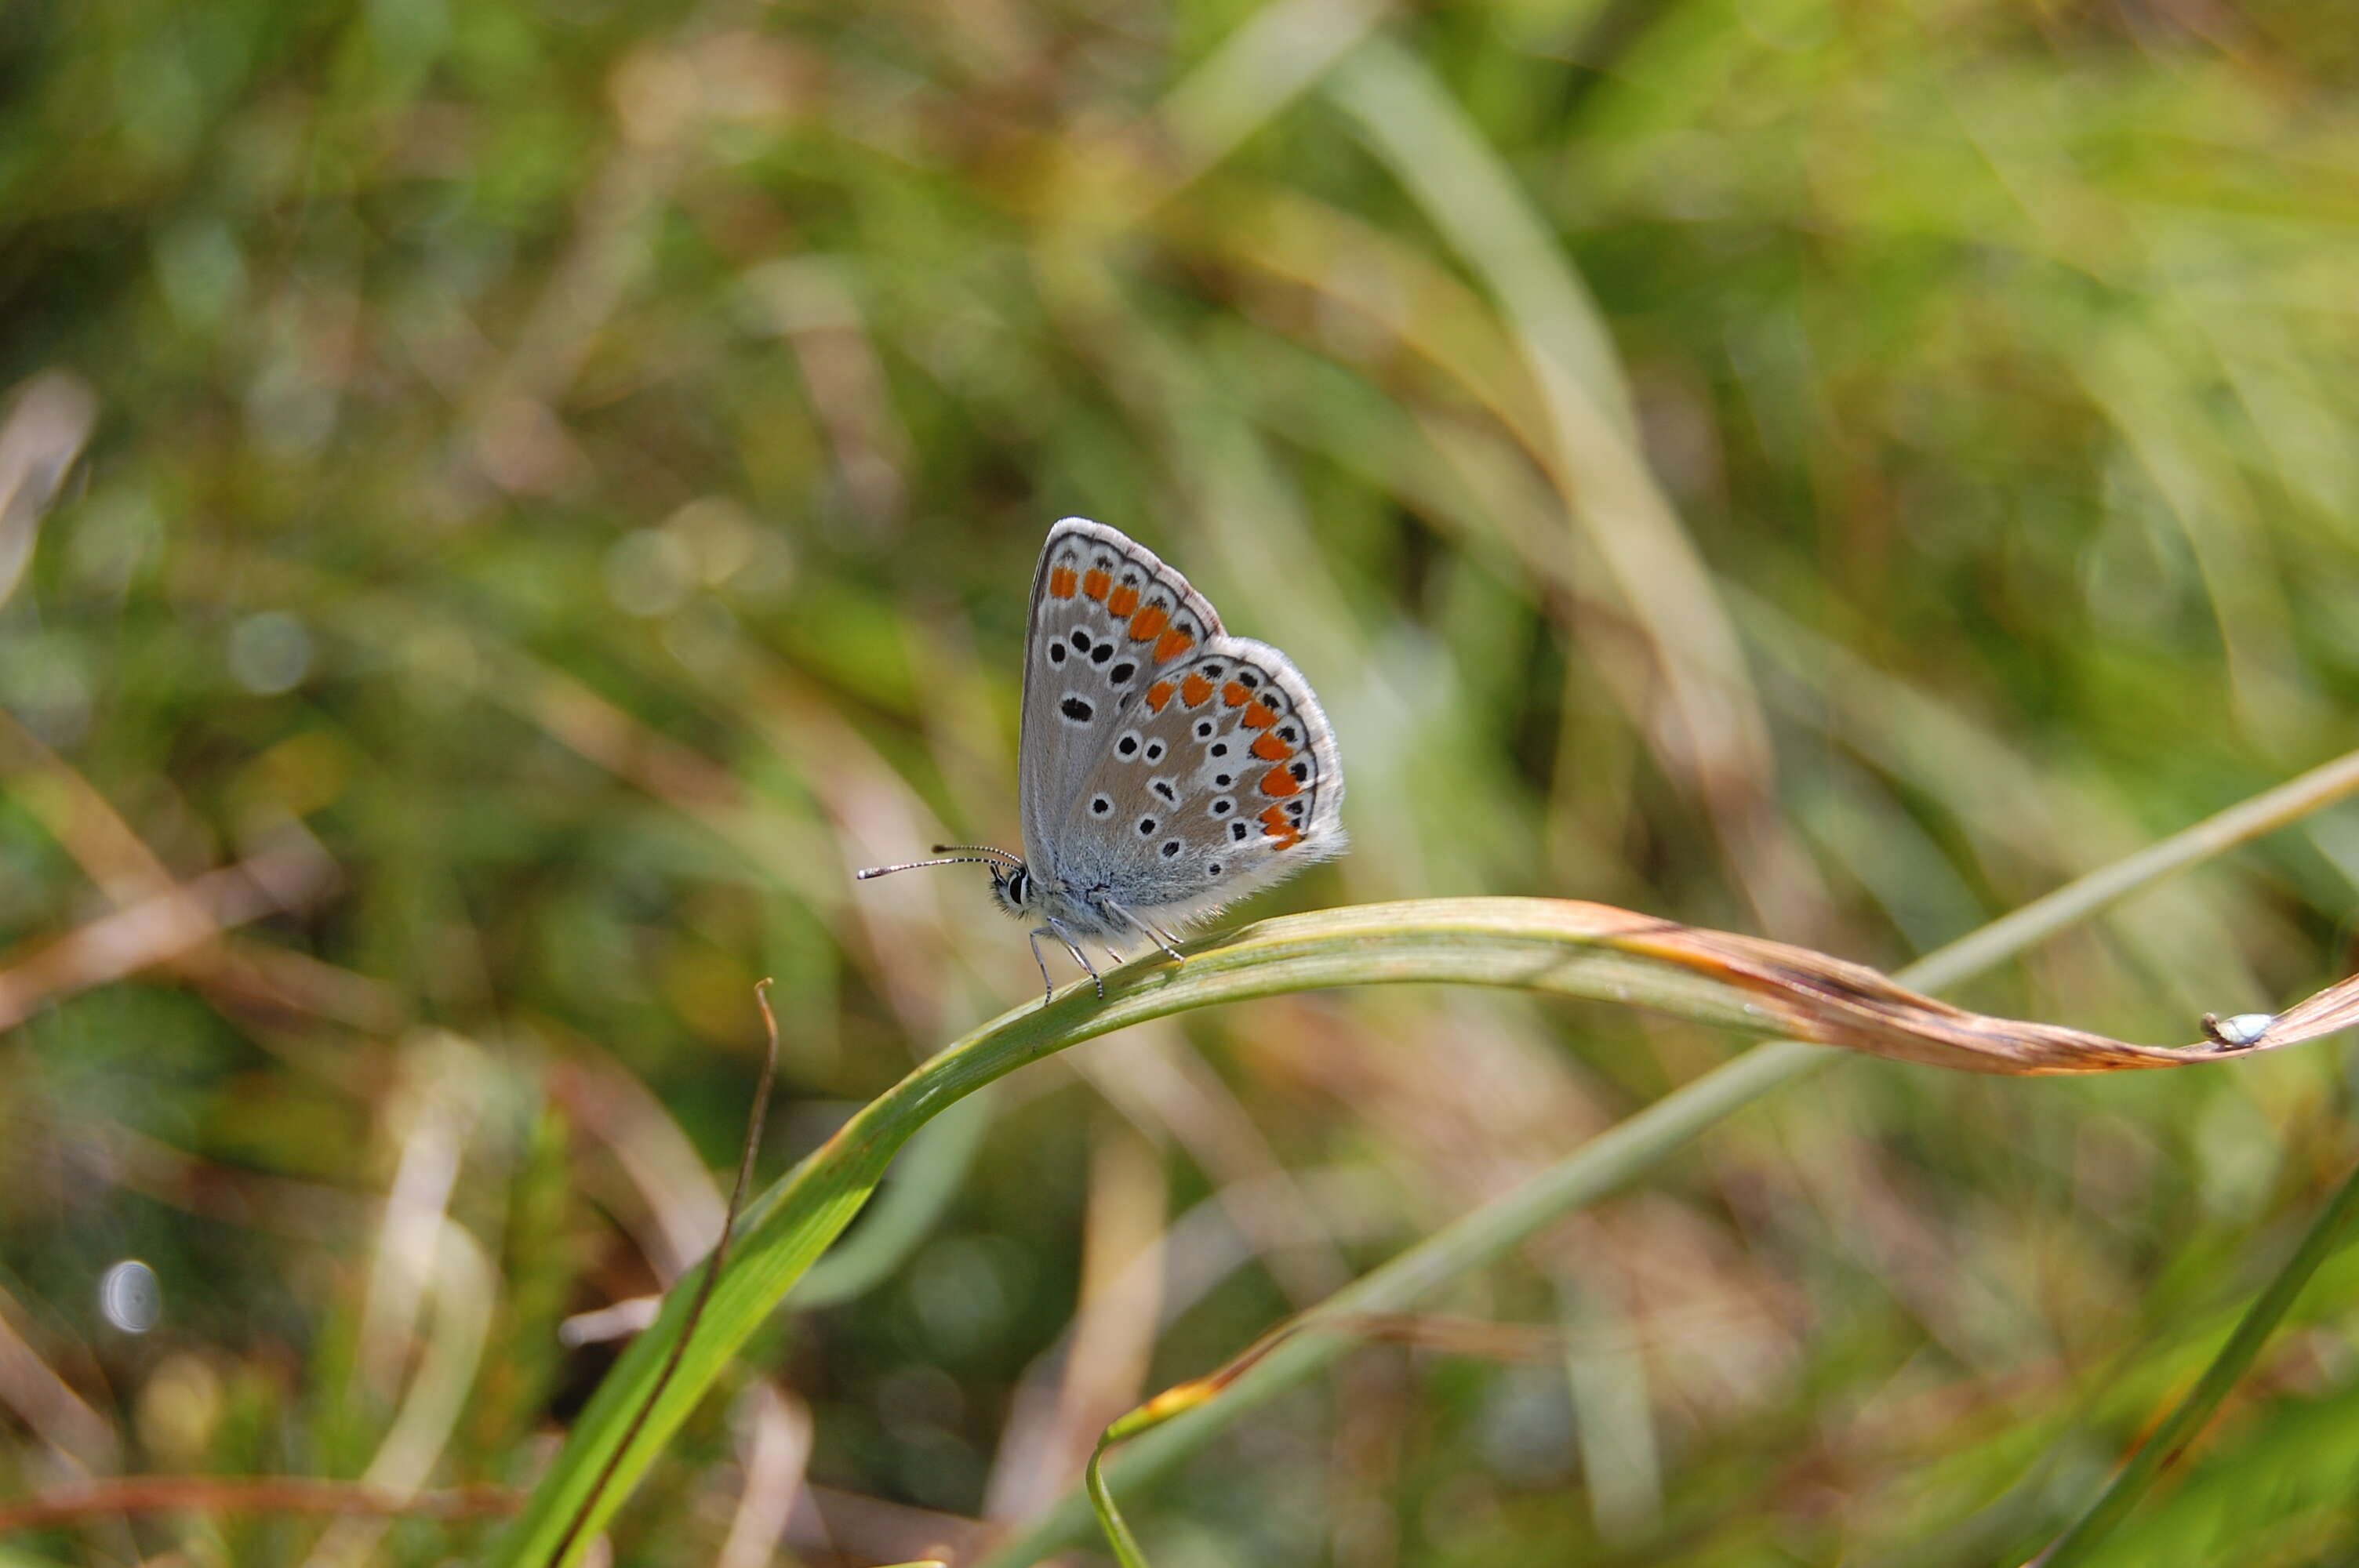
2235,1358
1614,1157
1568,949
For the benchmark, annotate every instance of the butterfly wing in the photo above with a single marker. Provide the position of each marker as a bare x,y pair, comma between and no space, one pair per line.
1222,777
1107,616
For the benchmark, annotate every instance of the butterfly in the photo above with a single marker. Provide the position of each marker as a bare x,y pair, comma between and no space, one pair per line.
1165,768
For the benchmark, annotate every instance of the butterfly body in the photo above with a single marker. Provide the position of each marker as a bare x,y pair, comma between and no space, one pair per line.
1166,768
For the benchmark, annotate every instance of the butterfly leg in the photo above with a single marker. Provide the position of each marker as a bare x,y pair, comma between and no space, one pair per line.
1155,934
1057,928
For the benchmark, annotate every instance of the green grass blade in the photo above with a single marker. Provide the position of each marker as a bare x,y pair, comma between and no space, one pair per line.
2235,1358
1593,460
1528,943
1610,1159
1508,942
1127,1550
927,1179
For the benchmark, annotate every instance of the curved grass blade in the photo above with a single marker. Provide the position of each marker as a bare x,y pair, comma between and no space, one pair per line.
1722,752
1614,1157
924,1183
1570,949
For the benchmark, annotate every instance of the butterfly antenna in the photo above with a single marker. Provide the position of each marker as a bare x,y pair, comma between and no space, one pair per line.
1010,856
914,865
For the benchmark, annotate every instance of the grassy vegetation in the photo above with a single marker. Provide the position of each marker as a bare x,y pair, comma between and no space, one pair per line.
542,491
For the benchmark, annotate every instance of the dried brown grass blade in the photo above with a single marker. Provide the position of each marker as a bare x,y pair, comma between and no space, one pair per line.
1811,996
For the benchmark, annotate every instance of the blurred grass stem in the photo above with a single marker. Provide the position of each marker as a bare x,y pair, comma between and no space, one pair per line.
2170,1439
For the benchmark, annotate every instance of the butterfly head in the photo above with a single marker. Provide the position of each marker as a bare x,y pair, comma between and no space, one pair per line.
1014,888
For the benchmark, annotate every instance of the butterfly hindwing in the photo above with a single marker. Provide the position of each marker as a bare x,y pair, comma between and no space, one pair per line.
1220,775
1107,618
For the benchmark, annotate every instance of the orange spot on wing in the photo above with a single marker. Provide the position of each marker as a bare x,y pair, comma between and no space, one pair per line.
1234,695
1276,828
1175,642
1159,693
1095,584
1279,782
1061,582
1260,716
1275,820
1194,690
1147,622
1123,601
1270,749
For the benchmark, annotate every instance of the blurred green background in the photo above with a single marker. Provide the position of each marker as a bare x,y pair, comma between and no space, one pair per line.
505,505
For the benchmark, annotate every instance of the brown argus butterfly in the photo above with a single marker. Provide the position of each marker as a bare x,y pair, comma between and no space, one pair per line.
1165,768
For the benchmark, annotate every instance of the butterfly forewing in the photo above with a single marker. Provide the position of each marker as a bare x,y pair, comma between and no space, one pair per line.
1220,775
1108,619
